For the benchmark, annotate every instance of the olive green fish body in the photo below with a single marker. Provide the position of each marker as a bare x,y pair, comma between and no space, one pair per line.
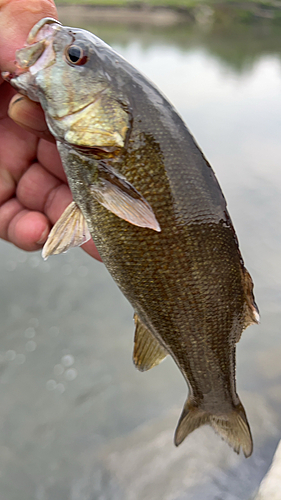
186,283
171,247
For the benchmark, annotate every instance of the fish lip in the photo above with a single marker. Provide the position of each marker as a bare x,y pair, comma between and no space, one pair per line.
41,34
7,76
37,28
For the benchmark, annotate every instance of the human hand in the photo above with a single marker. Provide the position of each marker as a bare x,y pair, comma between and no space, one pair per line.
33,186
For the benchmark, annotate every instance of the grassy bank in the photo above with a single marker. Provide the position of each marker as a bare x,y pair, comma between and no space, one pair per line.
176,11
166,3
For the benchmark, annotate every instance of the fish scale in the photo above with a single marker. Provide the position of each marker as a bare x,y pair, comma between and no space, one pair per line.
157,215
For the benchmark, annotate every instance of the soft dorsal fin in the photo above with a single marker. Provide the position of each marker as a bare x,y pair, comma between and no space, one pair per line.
69,231
147,350
251,311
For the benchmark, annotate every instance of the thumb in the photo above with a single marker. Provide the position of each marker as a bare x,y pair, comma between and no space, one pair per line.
17,17
29,115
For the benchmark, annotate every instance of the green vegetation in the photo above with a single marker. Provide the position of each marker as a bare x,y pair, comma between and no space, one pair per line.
238,45
201,11
174,4
171,3
94,3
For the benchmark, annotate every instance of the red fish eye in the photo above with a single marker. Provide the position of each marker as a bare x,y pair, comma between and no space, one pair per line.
76,55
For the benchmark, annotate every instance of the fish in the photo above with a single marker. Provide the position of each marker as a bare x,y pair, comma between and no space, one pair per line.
145,193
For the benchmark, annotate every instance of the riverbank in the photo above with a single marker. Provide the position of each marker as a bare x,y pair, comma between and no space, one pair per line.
171,12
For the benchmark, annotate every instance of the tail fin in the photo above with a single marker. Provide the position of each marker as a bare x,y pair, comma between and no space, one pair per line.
232,427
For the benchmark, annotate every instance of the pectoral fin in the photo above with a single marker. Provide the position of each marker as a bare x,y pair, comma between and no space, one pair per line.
70,230
147,350
116,194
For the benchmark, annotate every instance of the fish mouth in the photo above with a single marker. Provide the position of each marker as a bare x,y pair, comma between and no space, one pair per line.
37,53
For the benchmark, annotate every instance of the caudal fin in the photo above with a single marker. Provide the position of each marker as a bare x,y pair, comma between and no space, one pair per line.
232,427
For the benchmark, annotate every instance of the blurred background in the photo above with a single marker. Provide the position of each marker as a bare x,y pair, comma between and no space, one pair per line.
78,421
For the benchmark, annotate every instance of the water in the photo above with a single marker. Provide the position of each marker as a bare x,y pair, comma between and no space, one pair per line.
77,420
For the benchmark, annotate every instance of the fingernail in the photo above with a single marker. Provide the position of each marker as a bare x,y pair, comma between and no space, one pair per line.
16,100
43,237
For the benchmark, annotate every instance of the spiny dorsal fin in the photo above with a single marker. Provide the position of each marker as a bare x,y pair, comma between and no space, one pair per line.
69,231
147,350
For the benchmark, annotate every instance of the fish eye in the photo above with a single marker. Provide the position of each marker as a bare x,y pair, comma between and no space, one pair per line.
75,54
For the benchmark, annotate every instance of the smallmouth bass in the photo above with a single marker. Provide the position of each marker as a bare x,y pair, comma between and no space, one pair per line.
144,192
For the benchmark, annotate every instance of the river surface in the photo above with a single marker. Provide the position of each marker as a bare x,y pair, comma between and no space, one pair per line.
78,422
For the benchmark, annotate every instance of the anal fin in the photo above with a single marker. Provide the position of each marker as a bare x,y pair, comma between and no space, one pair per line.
147,350
69,231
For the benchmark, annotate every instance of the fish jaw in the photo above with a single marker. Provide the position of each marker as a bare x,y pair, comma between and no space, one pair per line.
45,73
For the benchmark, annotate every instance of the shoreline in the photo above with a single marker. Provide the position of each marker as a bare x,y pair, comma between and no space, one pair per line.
163,16
143,15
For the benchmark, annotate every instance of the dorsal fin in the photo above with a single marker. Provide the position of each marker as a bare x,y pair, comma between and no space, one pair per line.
147,350
251,311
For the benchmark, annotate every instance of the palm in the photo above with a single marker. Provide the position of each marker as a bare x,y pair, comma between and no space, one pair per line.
33,189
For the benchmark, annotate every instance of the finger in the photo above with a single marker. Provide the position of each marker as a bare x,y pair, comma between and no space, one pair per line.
7,92
17,146
91,249
7,185
48,156
59,198
7,212
35,187
25,229
29,115
41,191
17,149
28,230
17,17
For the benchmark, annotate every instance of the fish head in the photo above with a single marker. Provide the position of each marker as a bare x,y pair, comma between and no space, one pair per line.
78,80
65,70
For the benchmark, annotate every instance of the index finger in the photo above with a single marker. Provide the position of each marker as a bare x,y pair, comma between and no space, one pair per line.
17,17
